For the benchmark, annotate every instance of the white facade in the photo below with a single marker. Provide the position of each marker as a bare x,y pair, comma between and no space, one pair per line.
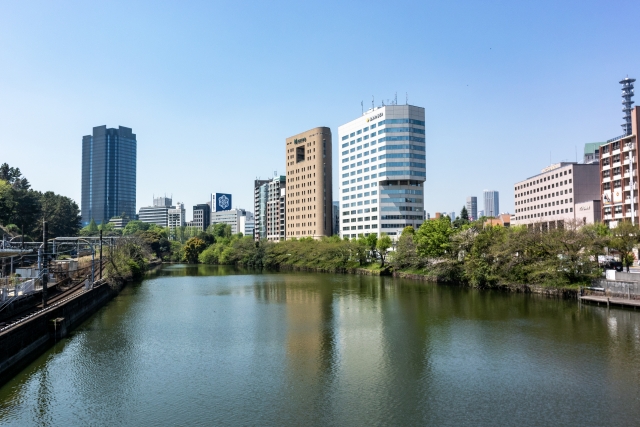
176,217
472,207
382,171
236,218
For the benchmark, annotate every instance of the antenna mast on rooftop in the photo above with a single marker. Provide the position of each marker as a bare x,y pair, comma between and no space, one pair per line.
627,94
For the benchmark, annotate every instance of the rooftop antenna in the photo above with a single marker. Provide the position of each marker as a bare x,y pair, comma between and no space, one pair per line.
383,102
395,100
362,106
406,98
627,94
372,99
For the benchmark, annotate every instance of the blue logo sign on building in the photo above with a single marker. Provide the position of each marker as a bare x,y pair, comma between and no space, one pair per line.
221,202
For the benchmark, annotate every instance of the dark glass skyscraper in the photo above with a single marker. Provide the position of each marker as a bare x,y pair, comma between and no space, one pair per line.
108,174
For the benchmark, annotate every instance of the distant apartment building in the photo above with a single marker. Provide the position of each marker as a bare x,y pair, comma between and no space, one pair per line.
592,152
619,166
382,171
276,209
309,186
560,193
108,174
201,216
269,199
472,207
491,203
260,196
176,218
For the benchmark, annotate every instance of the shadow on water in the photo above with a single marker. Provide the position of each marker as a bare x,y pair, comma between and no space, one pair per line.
215,345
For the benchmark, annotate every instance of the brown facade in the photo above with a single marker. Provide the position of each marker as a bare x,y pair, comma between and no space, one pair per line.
619,176
309,185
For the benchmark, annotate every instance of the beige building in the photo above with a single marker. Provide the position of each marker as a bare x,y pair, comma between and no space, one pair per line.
561,192
309,185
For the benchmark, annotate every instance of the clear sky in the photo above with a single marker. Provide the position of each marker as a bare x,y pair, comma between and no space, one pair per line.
212,89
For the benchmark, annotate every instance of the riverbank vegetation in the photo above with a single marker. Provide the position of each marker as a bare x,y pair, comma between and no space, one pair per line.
459,252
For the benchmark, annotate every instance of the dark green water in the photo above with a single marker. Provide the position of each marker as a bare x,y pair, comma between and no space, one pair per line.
212,346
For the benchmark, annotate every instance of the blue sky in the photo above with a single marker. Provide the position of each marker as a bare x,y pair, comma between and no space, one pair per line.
212,89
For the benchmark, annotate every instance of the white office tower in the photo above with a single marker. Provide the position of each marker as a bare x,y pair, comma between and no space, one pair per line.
382,171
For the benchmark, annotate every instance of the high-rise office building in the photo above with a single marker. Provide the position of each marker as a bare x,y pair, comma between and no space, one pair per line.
382,171
472,207
491,203
108,174
309,184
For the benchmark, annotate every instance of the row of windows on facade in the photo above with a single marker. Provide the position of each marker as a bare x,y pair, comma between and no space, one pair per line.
613,160
543,214
615,171
546,205
542,180
386,165
382,123
617,209
544,188
545,196
616,184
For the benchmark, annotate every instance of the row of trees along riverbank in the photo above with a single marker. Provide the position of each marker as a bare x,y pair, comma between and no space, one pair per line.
460,252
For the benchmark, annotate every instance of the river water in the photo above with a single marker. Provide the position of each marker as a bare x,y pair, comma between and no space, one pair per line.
212,346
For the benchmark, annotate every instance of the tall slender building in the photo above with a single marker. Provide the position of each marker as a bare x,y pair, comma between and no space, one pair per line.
382,171
309,184
491,203
108,174
620,166
472,207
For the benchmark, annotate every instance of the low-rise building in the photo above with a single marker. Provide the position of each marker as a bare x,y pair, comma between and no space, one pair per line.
157,214
236,218
551,197
119,222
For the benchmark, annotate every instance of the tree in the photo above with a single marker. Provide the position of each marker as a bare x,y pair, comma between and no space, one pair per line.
134,226
464,214
623,238
220,230
383,244
61,213
192,249
432,238
461,220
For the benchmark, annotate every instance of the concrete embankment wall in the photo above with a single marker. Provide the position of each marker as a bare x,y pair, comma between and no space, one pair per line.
23,343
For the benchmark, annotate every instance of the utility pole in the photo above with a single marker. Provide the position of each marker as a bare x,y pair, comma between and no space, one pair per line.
45,273
100,254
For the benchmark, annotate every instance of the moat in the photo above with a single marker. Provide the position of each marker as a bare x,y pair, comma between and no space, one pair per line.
206,345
